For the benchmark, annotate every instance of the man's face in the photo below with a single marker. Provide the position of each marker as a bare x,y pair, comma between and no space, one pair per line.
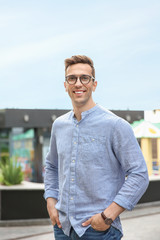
80,94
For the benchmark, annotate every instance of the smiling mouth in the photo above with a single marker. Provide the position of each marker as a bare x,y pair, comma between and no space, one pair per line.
79,92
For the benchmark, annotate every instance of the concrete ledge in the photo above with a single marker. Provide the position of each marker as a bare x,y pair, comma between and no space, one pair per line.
25,222
26,201
154,178
23,186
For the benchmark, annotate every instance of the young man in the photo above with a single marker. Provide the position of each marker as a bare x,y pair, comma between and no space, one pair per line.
94,169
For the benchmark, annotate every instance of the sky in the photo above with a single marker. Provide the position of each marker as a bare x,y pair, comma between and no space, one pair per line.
122,37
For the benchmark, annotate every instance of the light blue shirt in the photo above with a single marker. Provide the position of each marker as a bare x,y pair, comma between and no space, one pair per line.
87,165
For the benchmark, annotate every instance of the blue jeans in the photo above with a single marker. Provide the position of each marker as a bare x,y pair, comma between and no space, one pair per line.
90,234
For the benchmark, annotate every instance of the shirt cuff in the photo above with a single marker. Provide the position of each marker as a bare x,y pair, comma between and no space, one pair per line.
123,202
51,194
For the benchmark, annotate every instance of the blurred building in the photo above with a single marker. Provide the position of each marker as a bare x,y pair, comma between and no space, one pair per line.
152,116
25,134
148,136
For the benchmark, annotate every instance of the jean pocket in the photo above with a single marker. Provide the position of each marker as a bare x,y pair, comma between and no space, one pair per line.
99,231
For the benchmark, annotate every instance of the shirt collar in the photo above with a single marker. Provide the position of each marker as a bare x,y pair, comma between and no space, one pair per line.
85,113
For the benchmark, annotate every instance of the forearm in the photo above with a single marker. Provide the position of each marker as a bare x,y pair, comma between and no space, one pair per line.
52,211
52,201
113,211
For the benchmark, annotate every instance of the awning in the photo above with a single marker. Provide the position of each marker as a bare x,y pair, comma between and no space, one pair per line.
27,135
144,129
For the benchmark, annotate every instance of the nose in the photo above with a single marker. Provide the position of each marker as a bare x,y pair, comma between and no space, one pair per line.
78,82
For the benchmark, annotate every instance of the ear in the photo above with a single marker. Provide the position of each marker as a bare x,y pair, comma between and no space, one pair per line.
65,86
94,86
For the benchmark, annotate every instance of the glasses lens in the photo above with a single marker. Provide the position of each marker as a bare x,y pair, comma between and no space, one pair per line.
85,79
71,79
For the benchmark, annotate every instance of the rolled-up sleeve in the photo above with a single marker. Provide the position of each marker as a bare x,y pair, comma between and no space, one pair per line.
128,153
51,168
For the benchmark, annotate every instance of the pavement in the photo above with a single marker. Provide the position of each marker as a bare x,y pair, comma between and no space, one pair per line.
143,223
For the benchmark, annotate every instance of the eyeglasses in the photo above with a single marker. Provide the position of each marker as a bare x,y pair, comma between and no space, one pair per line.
84,79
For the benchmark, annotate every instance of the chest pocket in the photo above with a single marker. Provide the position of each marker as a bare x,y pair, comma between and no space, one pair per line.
92,146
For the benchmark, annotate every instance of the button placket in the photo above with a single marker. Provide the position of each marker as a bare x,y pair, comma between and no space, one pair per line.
72,189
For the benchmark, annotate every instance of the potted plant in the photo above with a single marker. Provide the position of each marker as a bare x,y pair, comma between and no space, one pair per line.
11,172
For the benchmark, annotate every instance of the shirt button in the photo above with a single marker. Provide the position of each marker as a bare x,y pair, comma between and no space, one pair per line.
77,125
73,161
72,179
74,142
71,198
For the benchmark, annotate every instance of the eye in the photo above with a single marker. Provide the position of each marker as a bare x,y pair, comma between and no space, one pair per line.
85,77
71,78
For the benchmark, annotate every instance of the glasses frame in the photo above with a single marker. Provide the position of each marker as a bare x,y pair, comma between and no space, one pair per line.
79,77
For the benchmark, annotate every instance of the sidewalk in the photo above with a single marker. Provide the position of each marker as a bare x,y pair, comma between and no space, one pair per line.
143,223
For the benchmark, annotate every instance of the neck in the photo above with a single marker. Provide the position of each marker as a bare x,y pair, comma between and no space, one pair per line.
79,109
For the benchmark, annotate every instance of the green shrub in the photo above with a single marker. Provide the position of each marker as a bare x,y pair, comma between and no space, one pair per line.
12,173
4,160
1,176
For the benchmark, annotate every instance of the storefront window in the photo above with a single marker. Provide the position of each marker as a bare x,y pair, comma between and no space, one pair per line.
23,150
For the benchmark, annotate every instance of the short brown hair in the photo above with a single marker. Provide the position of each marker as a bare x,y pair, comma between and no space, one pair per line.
79,59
